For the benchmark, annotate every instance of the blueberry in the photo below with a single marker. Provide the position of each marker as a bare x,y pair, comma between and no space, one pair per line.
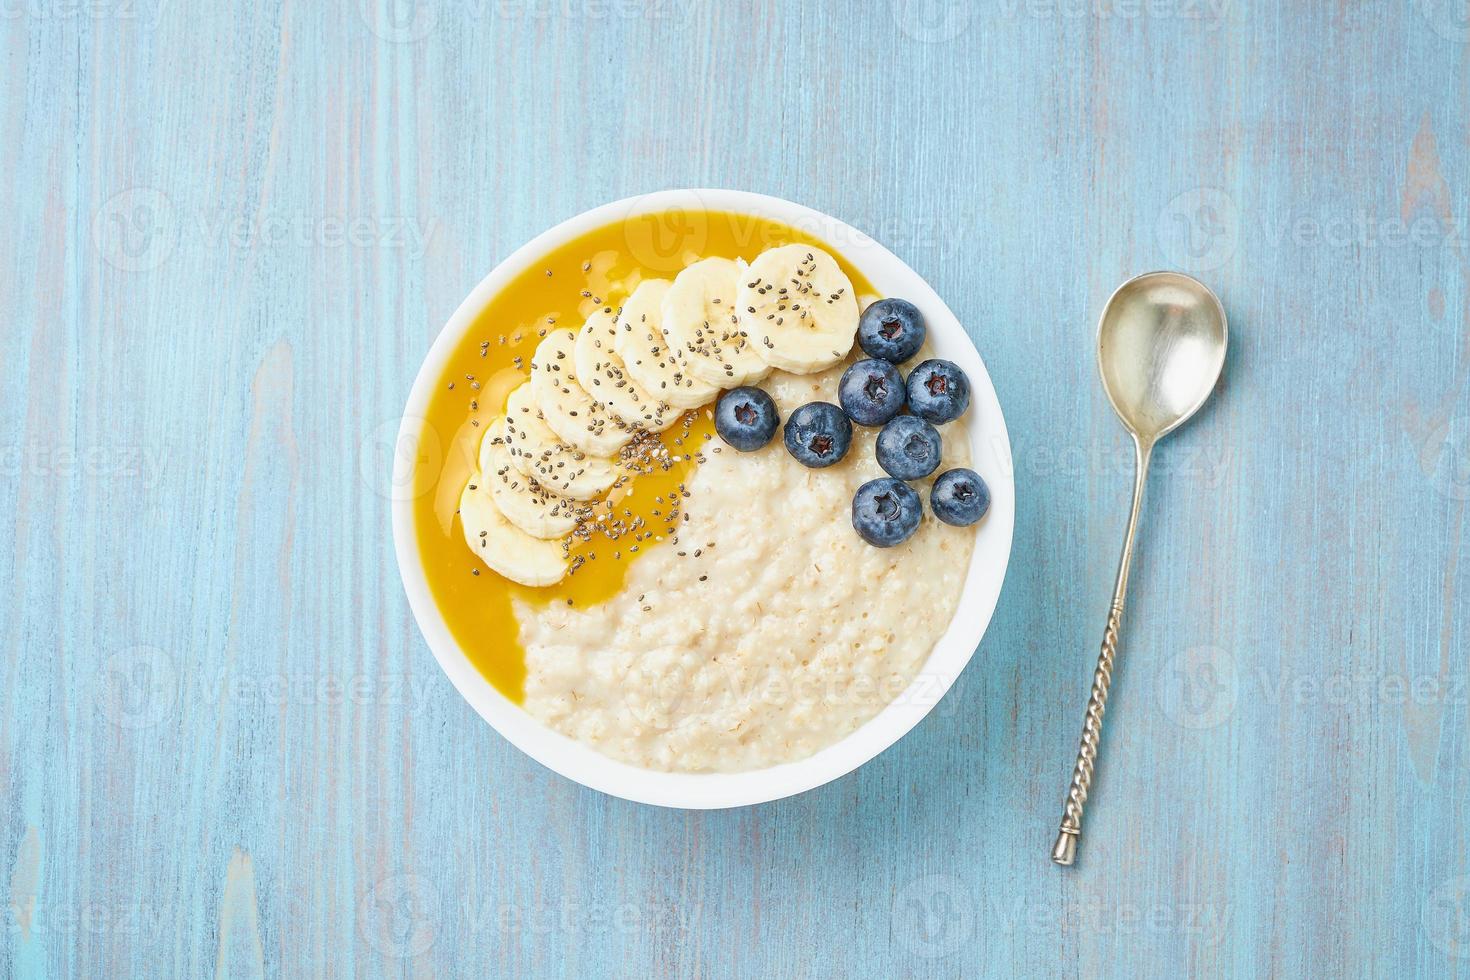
818,434
938,391
959,497
746,418
885,512
908,448
871,392
892,329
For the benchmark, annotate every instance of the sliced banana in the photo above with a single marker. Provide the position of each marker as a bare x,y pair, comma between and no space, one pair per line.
536,451
700,318
524,502
798,308
653,364
503,547
565,404
604,376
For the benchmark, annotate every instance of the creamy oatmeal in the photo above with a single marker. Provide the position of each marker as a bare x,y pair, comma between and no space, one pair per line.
771,630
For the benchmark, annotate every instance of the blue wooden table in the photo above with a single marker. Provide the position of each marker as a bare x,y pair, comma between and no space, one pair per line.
232,231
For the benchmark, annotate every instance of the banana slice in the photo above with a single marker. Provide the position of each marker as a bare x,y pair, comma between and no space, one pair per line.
502,546
655,366
524,502
604,376
700,319
565,404
798,308
536,451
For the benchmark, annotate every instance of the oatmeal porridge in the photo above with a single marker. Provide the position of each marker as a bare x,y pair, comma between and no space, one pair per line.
674,496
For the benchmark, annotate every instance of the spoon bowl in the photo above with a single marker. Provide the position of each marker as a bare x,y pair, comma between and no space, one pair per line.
1160,348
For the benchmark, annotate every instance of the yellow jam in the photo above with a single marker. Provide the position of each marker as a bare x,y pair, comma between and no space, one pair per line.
596,270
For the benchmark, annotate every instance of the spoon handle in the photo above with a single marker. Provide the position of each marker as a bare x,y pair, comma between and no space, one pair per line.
1064,851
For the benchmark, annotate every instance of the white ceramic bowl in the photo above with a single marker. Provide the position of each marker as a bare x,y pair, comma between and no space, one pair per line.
990,450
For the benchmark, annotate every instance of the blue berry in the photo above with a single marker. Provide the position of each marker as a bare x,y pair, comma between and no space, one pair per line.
938,391
746,418
909,448
885,512
871,392
892,329
959,497
818,434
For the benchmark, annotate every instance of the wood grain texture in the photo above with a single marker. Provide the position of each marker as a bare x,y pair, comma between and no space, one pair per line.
233,230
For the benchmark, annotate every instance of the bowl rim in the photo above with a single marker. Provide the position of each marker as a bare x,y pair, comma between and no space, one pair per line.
989,446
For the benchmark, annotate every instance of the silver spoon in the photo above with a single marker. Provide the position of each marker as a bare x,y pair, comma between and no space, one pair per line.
1160,347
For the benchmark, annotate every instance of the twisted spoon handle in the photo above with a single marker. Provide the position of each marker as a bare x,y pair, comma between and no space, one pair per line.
1064,851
